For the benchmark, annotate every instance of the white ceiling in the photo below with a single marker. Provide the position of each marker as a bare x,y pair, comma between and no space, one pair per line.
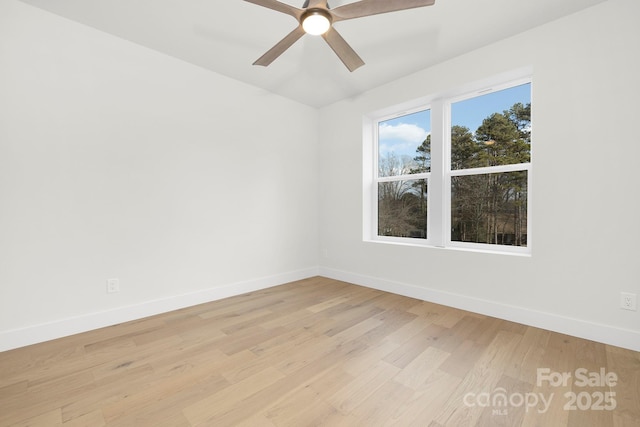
227,36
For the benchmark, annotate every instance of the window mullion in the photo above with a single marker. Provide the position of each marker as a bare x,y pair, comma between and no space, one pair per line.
409,177
436,181
491,169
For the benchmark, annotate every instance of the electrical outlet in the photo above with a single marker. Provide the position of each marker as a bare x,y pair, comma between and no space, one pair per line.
628,301
113,286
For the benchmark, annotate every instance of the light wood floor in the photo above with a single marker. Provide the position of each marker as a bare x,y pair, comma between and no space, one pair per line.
315,352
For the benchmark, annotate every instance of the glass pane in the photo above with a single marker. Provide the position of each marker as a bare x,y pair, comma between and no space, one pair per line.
490,208
404,144
402,208
492,129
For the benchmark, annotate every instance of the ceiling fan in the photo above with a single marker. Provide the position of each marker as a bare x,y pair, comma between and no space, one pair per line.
316,18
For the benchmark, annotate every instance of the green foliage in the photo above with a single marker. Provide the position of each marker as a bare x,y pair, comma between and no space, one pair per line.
402,208
423,159
501,139
491,208
464,149
402,205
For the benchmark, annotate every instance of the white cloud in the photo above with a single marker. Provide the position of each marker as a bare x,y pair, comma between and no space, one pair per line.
407,148
404,132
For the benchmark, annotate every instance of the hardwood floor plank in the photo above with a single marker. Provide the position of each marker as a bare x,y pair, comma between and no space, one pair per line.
44,397
272,356
392,320
316,389
626,365
316,308
13,389
415,345
318,413
92,419
355,330
380,406
525,360
105,392
463,358
288,409
482,378
158,406
51,418
286,386
363,361
301,357
624,421
34,364
557,358
426,401
218,404
350,317
416,373
409,330
357,391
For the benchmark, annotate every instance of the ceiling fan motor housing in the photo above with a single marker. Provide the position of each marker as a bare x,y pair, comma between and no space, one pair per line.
316,21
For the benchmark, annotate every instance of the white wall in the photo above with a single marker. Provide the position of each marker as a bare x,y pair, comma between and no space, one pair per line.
586,94
119,162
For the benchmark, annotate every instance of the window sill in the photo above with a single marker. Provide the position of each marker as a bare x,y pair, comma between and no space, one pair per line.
457,247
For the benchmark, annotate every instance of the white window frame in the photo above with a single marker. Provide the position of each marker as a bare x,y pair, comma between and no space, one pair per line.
407,177
439,178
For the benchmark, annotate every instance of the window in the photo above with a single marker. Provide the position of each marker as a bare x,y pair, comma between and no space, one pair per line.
452,170
403,174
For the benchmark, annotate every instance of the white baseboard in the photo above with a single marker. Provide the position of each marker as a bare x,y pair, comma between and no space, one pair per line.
15,338
34,334
624,338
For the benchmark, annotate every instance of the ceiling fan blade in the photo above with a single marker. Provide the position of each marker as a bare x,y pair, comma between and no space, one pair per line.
315,3
374,7
280,47
347,55
279,6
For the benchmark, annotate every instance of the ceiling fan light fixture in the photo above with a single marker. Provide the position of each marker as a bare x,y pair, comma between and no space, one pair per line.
316,22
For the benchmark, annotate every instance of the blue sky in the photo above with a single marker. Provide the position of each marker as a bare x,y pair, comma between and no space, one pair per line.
404,134
471,112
